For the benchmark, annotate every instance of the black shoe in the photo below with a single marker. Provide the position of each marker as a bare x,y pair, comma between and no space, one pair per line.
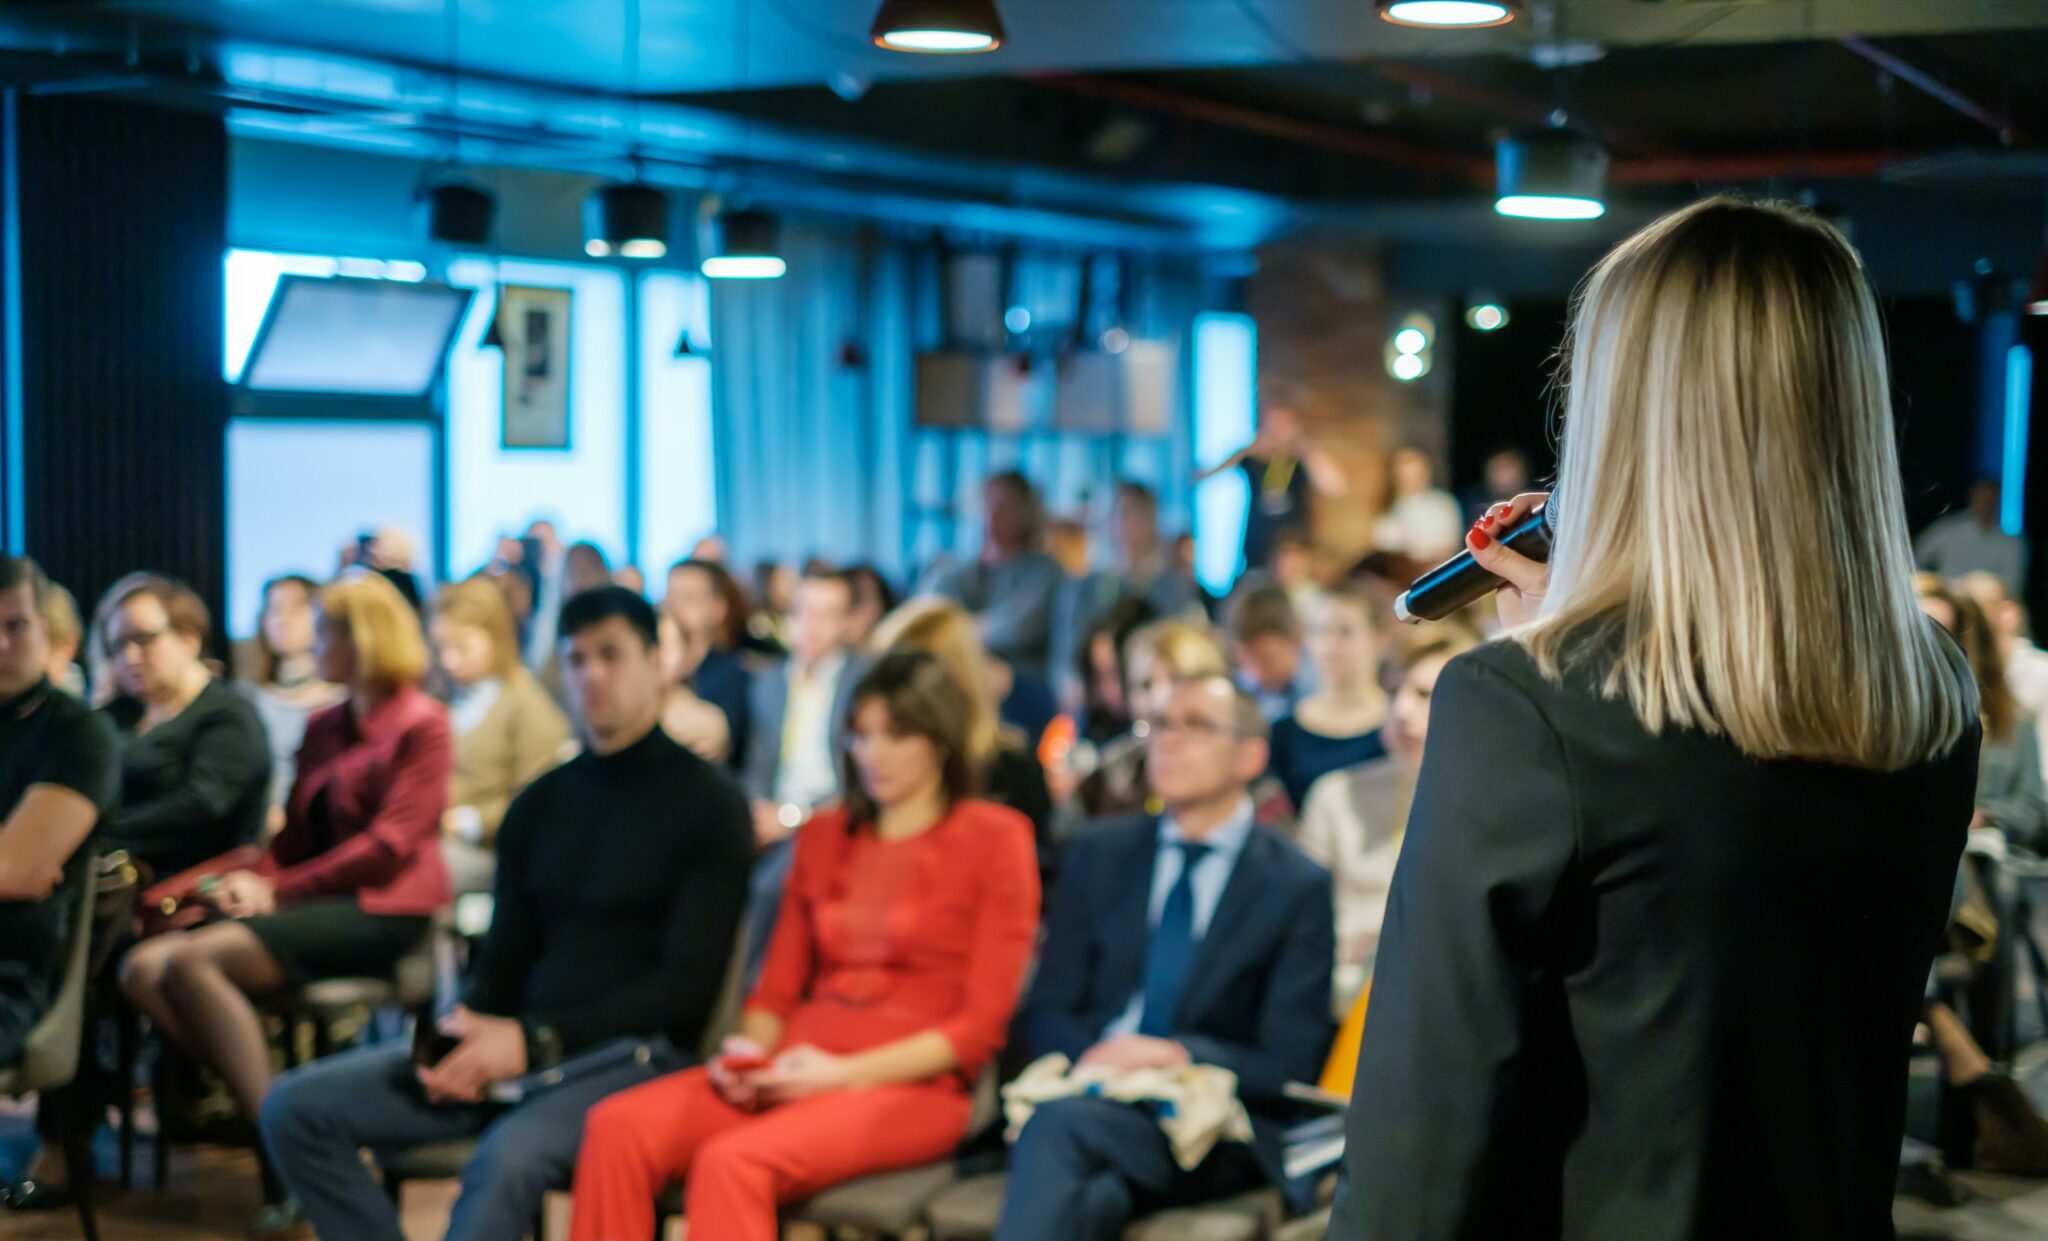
36,1196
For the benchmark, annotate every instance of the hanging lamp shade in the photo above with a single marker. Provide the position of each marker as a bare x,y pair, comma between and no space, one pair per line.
458,212
626,218
944,27
746,245
1551,175
1450,14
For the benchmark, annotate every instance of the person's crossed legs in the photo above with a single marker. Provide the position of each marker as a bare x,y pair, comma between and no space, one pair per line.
1084,1167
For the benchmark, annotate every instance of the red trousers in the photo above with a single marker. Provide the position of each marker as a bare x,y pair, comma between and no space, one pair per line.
736,1166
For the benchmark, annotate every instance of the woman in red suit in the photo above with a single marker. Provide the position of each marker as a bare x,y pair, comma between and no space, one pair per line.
897,959
349,884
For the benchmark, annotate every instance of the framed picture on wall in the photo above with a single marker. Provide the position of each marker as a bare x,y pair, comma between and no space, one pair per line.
532,328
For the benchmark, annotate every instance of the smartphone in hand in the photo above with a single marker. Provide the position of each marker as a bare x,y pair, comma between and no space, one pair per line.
430,1045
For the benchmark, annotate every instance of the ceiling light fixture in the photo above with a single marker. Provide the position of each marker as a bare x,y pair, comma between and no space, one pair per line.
1551,175
1453,14
744,247
626,218
1486,317
946,27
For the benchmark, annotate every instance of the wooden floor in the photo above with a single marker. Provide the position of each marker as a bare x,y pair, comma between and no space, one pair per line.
213,1193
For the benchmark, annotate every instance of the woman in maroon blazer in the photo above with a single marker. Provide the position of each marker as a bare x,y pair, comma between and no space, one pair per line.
350,883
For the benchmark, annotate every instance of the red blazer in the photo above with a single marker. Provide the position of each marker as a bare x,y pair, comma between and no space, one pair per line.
878,941
386,783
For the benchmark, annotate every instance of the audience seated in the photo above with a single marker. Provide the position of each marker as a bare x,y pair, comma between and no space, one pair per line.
1339,724
897,959
775,586
1424,523
2009,789
798,713
1194,937
286,689
711,610
542,560
1141,570
691,722
507,730
2026,665
67,635
621,880
873,598
1266,646
1006,770
58,777
1354,820
1074,745
1155,657
1012,588
1973,540
1293,570
195,765
347,887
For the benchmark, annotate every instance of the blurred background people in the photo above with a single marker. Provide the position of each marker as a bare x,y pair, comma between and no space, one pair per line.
1011,589
285,685
507,730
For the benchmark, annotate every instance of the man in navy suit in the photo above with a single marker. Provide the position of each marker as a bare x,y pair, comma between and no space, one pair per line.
1191,938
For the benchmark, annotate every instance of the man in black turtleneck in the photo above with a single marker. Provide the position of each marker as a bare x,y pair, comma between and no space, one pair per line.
621,879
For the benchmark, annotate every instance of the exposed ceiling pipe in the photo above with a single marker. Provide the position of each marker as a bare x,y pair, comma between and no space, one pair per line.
1468,169
2008,130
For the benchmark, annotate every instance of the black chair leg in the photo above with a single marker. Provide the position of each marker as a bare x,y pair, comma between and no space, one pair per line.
74,1126
126,1036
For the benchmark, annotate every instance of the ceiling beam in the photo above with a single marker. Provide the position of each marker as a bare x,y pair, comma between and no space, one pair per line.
1447,164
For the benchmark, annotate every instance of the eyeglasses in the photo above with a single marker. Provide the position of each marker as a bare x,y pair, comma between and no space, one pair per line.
1193,727
141,640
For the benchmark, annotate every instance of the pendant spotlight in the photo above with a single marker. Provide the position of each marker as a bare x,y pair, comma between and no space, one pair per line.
744,247
626,218
1551,175
458,212
941,26
1450,14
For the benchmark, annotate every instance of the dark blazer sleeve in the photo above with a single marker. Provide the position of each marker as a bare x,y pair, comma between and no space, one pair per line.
1448,1128
1292,1034
1054,1017
769,693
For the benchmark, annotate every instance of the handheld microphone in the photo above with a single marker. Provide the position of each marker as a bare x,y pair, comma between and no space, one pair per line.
1459,580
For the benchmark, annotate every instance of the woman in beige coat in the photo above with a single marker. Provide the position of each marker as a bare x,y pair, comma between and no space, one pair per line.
507,729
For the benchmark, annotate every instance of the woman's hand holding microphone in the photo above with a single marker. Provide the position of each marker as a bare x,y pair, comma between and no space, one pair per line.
1525,579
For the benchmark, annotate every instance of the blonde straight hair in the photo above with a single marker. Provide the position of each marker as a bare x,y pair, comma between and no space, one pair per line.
1729,512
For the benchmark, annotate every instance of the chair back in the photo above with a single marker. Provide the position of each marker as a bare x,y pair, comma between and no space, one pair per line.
50,1055
726,1017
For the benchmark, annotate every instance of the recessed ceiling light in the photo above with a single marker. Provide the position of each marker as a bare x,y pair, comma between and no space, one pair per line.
938,26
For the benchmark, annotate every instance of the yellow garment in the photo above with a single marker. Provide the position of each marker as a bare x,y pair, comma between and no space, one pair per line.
1342,1066
1199,1104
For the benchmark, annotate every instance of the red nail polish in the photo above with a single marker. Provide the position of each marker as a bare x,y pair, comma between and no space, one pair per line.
1478,539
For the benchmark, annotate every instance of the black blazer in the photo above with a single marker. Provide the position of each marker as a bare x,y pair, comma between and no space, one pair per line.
1257,999
1637,987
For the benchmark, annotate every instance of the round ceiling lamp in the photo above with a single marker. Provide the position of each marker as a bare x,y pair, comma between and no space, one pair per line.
1552,175
1450,14
458,213
745,247
626,218
945,27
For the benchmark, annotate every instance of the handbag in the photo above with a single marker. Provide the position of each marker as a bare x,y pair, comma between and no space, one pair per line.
184,902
